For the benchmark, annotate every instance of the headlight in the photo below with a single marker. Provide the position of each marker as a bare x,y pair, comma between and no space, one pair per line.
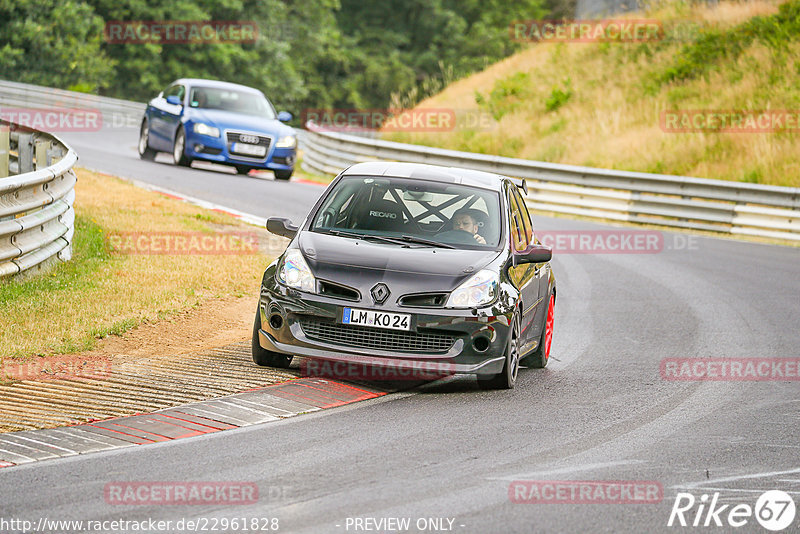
287,141
479,290
295,272
204,129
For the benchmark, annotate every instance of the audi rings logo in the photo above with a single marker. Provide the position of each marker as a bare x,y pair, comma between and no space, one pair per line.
250,139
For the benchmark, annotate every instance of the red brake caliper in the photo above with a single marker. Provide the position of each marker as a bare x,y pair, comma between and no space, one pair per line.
548,335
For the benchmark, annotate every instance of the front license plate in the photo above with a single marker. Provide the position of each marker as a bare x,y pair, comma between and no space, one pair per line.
250,150
377,319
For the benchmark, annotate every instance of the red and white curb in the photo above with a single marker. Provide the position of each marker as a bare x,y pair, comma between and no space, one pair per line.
261,405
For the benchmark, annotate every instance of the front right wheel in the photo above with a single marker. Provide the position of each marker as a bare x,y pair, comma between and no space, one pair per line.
264,357
507,378
145,152
179,149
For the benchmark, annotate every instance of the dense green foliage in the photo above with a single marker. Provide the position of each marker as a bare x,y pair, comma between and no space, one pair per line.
309,54
714,45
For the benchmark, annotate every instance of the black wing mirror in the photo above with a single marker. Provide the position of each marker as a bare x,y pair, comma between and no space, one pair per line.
534,254
281,226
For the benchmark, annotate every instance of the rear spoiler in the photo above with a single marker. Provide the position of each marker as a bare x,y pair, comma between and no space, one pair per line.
520,182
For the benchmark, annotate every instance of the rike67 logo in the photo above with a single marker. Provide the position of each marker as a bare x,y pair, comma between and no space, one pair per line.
774,510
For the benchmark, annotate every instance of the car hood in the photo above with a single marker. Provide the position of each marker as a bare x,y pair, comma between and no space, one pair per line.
361,264
228,120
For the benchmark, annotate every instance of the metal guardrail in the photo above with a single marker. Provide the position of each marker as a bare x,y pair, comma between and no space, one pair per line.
37,191
26,96
676,201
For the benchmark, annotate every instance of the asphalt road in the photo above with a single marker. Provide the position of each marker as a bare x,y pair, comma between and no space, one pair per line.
601,411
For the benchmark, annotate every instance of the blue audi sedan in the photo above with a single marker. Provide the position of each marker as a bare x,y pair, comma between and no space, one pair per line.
222,122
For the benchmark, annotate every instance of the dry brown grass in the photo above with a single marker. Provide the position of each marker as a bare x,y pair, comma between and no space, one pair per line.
612,119
100,293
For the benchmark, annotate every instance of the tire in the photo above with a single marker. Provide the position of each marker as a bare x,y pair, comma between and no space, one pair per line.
283,175
507,378
242,169
145,152
264,357
539,358
179,149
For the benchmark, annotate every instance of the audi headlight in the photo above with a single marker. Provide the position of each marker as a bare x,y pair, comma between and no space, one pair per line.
295,272
204,129
287,141
479,290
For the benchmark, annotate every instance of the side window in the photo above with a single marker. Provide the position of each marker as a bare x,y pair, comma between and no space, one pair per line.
518,236
175,90
527,223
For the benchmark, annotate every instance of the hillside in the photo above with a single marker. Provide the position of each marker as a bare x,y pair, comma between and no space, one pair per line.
602,104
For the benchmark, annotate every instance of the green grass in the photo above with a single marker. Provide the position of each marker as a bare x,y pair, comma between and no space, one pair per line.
714,46
89,254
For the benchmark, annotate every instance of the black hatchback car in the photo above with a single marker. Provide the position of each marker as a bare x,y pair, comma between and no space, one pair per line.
411,266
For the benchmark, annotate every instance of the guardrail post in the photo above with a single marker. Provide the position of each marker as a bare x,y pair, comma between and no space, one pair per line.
41,154
5,143
54,153
25,150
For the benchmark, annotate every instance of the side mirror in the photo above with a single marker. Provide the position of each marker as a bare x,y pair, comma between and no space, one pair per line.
174,100
534,254
281,226
284,116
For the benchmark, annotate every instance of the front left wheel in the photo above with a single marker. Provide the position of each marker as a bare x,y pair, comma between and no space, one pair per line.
539,358
283,175
264,357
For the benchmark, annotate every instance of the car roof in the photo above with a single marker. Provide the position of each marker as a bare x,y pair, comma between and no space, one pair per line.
194,82
423,171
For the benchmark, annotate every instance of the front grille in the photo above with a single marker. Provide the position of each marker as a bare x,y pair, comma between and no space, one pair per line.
329,289
235,137
374,338
424,300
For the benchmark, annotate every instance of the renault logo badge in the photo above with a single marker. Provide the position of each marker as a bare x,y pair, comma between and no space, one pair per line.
379,293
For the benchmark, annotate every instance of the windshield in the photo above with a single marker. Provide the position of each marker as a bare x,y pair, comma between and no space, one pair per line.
451,214
231,100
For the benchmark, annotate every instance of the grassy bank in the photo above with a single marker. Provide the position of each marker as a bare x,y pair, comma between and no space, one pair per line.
601,104
103,292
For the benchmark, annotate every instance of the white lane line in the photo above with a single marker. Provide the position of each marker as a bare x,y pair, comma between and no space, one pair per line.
568,469
740,490
692,485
